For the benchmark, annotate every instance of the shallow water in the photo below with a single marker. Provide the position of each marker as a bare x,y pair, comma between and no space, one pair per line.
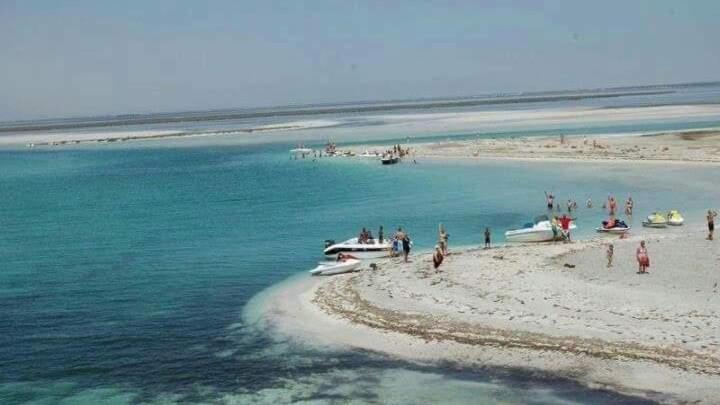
125,269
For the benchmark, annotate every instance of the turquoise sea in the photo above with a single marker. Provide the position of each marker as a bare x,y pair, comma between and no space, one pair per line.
125,268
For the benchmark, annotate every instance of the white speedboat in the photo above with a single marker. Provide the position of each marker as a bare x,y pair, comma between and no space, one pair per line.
371,250
540,230
304,151
330,268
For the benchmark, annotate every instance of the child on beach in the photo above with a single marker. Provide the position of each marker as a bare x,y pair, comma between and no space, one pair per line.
642,258
610,253
487,238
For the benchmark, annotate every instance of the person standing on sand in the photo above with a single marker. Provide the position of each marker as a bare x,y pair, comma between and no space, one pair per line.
398,241
610,253
711,223
443,240
406,246
565,224
642,258
487,238
437,258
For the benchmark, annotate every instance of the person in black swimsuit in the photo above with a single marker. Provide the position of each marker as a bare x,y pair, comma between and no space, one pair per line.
711,223
406,246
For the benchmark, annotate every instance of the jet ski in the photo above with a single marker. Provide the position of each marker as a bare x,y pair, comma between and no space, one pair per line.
618,227
655,220
674,218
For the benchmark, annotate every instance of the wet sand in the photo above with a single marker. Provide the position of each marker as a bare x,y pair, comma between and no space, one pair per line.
654,335
701,146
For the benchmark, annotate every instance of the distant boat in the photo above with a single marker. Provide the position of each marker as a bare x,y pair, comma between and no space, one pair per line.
303,151
390,160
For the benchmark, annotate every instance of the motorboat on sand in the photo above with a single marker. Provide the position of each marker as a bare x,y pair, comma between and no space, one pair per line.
371,250
655,220
674,218
540,230
618,227
330,268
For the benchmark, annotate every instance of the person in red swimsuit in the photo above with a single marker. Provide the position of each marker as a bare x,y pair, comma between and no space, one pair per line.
565,225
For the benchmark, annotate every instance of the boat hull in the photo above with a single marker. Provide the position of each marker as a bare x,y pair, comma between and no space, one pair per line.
655,224
529,236
613,230
359,250
331,268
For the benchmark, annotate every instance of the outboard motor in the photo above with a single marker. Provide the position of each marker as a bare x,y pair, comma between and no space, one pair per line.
328,243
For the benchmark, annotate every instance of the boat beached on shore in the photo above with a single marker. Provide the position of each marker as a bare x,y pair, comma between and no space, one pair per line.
540,230
371,250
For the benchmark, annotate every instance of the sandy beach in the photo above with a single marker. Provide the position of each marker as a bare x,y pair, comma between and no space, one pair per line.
551,308
701,146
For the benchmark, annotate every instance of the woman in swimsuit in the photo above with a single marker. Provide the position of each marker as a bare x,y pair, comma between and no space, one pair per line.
629,206
642,257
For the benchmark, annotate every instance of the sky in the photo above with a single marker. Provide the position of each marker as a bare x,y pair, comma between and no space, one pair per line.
82,58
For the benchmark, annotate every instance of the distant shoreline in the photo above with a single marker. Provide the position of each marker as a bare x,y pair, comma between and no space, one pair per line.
168,118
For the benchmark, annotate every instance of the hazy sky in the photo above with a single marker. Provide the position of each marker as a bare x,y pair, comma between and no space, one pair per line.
65,58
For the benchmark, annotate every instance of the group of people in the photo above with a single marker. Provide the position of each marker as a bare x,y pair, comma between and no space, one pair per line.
610,204
641,255
366,237
441,249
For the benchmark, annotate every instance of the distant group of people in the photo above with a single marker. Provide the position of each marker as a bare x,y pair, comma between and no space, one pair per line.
610,204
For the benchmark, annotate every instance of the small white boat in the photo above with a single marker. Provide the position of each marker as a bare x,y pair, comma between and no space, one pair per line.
538,231
674,218
371,250
302,151
390,160
330,268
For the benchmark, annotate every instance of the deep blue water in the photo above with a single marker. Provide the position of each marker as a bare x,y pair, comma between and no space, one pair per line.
125,268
